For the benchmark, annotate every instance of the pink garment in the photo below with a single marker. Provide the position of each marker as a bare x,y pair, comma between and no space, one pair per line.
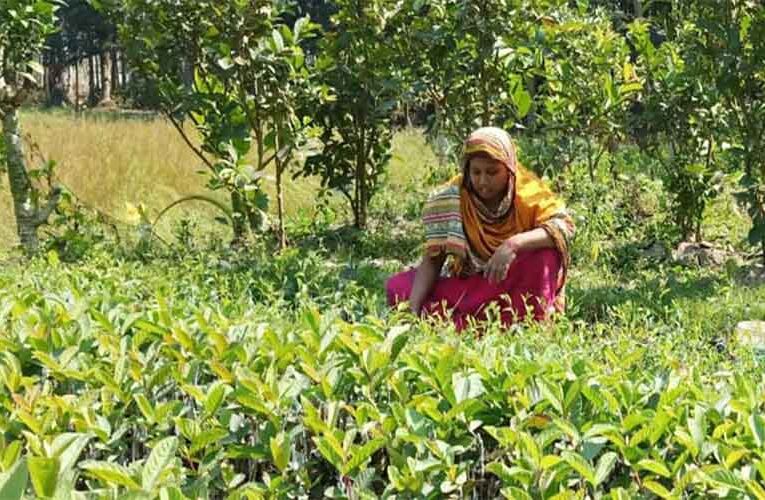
531,280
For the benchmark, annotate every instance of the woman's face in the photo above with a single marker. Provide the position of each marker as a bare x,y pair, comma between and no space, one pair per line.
489,178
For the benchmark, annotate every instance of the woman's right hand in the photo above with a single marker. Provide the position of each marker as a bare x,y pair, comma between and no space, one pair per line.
424,280
499,264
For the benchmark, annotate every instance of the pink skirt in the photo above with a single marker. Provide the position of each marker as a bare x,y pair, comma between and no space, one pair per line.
532,282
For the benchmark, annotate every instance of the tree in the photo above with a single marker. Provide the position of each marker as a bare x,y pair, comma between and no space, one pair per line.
357,62
83,34
24,27
681,117
589,84
235,71
732,34
470,62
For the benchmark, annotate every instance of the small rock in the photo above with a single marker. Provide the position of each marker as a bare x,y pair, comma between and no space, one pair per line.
656,251
751,333
755,275
700,254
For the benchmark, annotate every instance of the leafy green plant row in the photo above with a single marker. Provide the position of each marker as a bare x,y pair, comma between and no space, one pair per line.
103,398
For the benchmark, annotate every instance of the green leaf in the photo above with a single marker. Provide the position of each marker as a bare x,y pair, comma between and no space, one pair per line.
505,436
580,465
627,89
297,30
172,493
553,393
214,399
203,439
110,473
568,429
14,482
522,101
654,466
467,387
734,456
515,493
658,489
620,494
278,41
605,467
67,447
511,474
65,487
756,490
280,450
159,459
550,461
145,406
532,448
697,425
757,426
11,454
361,454
329,452
44,474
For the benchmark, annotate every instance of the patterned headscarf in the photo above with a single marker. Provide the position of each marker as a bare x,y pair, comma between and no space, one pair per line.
497,144
493,141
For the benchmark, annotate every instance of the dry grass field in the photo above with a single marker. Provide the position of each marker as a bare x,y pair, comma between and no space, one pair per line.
111,162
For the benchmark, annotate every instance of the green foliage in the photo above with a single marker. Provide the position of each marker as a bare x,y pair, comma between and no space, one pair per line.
682,119
237,72
24,26
733,36
473,63
589,85
217,375
356,63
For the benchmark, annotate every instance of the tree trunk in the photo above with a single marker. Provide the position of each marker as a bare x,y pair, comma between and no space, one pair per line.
106,78
29,216
282,233
115,83
361,182
239,217
46,82
91,81
638,8
77,84
56,86
123,70
590,161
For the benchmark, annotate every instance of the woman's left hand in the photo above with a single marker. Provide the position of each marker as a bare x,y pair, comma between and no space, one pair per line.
499,264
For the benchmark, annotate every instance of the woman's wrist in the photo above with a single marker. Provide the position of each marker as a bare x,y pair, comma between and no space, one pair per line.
514,243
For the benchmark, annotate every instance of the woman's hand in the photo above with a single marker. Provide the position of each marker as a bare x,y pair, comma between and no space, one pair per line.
499,264
424,280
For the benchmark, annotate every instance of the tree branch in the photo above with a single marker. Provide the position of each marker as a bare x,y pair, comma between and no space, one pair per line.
268,160
188,142
43,214
345,192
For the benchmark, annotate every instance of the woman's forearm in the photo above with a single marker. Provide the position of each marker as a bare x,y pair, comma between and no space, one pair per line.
426,276
532,240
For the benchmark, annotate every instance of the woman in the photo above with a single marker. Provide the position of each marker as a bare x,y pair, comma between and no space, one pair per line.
504,234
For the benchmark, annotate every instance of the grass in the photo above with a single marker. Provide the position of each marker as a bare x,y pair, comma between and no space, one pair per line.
109,163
